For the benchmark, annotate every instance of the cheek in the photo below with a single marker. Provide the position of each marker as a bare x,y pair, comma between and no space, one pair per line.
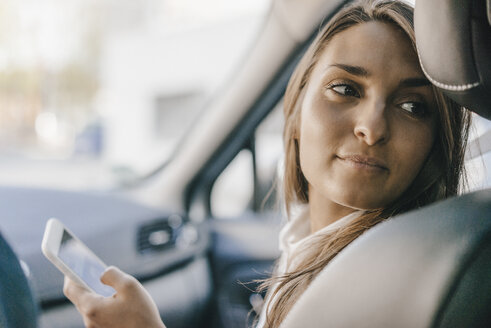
310,142
413,146
321,121
322,130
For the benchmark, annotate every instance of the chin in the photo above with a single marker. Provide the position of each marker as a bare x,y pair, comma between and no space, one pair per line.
363,202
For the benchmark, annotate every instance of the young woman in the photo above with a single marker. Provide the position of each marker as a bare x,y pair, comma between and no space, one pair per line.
366,137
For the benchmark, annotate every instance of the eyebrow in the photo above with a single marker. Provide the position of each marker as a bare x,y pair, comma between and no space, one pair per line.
413,82
355,70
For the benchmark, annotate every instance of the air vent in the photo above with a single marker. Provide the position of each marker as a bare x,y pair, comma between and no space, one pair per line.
159,234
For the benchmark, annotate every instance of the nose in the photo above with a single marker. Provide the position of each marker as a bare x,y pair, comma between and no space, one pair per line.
371,124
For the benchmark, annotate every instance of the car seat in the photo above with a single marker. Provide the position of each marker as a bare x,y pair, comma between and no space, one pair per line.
17,307
430,267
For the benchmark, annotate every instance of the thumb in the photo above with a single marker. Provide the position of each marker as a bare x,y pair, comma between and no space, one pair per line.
122,282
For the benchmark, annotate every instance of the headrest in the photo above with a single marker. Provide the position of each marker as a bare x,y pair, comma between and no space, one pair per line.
454,46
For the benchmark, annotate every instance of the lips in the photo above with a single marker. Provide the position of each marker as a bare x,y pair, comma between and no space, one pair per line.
363,161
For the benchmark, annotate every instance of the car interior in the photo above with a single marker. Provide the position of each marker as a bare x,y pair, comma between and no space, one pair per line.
425,268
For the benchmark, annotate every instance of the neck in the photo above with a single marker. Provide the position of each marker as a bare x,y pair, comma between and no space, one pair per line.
323,211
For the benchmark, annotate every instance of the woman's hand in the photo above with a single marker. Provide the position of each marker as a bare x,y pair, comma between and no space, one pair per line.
130,307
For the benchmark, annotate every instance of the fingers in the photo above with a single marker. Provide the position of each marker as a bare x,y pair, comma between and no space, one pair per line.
80,296
72,290
131,306
123,283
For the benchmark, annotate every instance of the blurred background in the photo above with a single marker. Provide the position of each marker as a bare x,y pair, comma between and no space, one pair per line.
94,93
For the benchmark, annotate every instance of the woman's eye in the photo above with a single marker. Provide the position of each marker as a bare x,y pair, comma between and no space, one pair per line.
415,108
345,90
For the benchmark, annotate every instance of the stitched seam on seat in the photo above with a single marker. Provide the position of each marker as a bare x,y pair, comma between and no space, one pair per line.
460,87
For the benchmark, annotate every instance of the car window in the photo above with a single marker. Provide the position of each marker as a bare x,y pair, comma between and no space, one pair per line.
94,93
478,156
249,182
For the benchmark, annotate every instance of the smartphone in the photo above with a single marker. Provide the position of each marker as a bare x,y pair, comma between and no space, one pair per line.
73,258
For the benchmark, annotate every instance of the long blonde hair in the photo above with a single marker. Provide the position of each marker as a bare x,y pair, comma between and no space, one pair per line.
439,178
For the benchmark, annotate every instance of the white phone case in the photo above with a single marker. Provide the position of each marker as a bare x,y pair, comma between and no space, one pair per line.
51,244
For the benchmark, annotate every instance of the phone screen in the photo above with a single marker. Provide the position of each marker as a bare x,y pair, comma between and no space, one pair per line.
84,263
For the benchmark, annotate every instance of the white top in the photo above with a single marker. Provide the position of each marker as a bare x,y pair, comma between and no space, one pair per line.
296,239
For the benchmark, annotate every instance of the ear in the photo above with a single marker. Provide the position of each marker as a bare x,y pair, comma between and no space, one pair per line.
296,123
298,115
296,134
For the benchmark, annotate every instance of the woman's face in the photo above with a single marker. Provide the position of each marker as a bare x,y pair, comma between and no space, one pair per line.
367,118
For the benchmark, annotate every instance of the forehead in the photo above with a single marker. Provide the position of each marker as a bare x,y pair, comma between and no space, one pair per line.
376,46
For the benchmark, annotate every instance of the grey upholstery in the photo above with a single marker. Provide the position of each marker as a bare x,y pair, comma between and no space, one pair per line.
453,38
17,308
427,268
